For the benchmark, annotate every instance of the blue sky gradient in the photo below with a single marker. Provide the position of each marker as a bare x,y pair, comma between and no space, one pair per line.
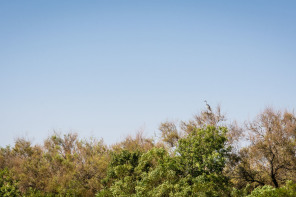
108,68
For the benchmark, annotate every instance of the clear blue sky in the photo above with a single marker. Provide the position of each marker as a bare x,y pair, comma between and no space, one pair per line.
108,68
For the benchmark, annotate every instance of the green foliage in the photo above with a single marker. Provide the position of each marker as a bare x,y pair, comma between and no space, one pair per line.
289,190
203,151
197,160
265,191
121,176
241,192
157,173
8,186
195,168
202,156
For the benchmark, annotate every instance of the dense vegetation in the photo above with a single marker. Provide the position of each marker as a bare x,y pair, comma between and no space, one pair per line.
205,156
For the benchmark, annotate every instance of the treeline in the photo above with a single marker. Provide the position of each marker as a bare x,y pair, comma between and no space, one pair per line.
205,156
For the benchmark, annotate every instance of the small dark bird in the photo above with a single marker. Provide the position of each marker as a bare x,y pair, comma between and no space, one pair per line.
208,106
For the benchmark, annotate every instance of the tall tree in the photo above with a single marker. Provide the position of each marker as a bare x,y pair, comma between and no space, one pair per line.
270,158
203,155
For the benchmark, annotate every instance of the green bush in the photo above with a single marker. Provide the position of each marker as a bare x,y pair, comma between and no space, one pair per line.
289,190
8,186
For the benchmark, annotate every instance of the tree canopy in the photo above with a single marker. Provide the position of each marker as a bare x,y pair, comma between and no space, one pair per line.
204,156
